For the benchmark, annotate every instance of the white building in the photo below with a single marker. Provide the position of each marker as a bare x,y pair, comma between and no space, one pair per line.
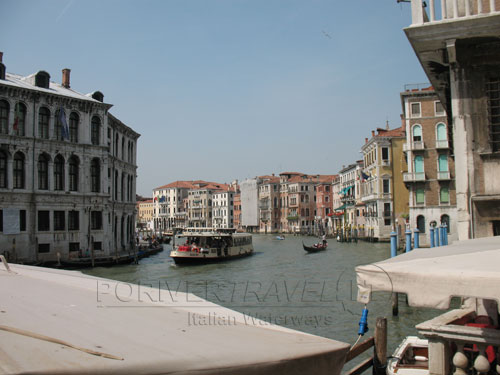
250,203
222,209
67,171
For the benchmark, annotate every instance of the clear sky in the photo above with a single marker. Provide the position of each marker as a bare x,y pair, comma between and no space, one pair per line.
226,89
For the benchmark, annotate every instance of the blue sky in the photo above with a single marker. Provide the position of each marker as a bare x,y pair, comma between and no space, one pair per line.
226,89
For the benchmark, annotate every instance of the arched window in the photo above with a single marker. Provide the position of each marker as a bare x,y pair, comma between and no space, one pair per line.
123,187
417,133
116,185
445,219
95,131
3,169
74,164
59,173
418,163
443,163
116,144
95,175
441,132
421,223
58,130
43,172
444,195
4,117
74,119
18,170
131,152
19,125
123,148
43,123
131,190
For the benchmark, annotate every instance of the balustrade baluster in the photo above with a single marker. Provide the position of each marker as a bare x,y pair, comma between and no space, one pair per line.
467,8
444,15
460,360
455,8
498,361
481,363
433,13
479,6
492,6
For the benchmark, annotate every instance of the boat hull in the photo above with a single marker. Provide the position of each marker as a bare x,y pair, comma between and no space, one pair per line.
203,259
312,249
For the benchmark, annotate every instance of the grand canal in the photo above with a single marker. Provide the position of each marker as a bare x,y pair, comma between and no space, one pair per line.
282,284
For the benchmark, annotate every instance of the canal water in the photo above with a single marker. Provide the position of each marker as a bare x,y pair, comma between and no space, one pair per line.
284,285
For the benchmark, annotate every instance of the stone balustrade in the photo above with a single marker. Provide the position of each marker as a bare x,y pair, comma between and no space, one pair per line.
445,10
455,348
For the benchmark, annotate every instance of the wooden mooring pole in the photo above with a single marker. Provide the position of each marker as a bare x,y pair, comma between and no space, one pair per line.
380,348
379,360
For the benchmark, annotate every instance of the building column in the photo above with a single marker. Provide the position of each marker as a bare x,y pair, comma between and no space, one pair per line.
462,129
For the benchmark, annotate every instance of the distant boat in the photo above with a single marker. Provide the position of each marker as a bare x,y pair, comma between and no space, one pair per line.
316,247
208,245
105,261
280,237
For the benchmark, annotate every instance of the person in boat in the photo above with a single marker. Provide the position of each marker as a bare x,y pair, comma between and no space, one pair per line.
324,239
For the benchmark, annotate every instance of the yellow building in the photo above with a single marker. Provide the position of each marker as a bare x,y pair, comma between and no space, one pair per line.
382,186
145,214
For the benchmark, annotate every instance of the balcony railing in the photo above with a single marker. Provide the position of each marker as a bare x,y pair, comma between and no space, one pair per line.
449,9
369,197
413,176
443,175
442,144
414,146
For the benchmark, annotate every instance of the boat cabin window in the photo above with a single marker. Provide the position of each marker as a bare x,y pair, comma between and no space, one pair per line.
240,241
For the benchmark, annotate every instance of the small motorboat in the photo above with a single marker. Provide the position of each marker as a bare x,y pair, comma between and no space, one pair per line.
280,237
411,357
316,247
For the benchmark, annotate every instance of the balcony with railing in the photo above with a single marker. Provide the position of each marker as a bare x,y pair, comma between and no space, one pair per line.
264,204
443,176
442,144
414,146
413,176
430,11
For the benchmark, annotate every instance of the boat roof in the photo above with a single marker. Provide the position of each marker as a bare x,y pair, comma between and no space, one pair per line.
137,331
211,232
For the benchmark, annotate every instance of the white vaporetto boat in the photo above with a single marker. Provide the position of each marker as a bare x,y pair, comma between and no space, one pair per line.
208,245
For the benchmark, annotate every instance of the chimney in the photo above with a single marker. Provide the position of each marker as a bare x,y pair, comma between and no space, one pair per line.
373,133
366,140
65,77
1,56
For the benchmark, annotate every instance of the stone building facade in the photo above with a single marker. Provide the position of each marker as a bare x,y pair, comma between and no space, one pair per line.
431,167
459,52
67,171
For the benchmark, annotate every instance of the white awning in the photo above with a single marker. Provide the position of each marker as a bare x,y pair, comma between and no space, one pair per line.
145,334
430,277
